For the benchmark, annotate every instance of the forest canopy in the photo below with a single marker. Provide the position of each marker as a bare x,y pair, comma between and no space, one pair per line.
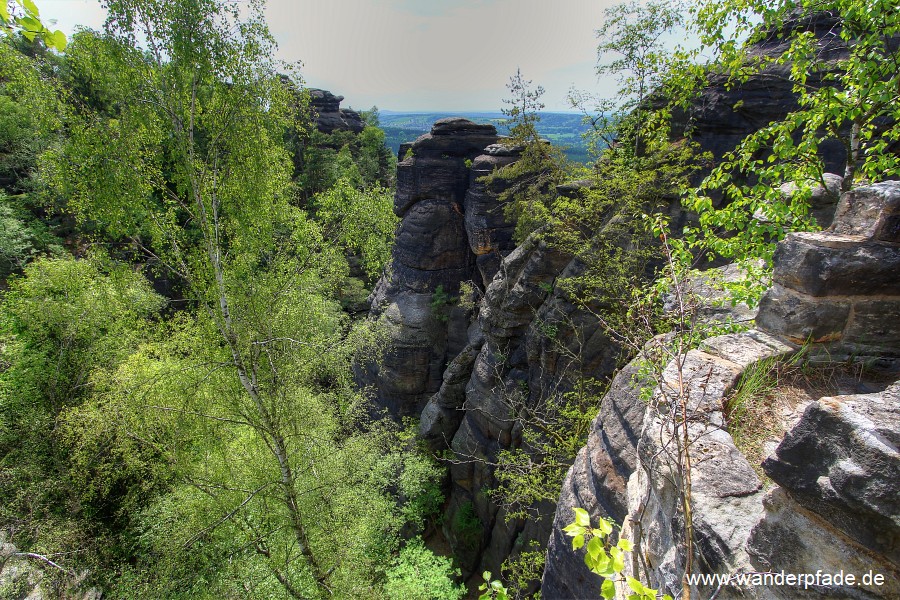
185,256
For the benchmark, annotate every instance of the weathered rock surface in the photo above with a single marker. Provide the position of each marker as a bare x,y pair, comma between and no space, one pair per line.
835,506
597,482
462,372
724,114
791,539
432,255
842,462
328,114
823,199
837,287
490,233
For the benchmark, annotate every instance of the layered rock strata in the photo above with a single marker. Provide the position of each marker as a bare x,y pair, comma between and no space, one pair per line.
328,115
832,506
438,242
838,288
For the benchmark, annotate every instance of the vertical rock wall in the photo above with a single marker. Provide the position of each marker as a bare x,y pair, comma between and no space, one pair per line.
833,505
432,255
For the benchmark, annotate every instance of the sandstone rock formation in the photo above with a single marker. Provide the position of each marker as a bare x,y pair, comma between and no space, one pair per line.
328,114
836,287
723,114
432,255
832,505
460,370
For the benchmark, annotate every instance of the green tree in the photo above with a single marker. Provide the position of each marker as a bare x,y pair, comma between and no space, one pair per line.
526,187
418,574
362,221
30,120
847,90
249,396
636,50
59,322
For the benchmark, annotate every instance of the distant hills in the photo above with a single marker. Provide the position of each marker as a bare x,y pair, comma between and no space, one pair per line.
562,129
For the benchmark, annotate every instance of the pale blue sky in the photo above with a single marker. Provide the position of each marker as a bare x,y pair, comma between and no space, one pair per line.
422,54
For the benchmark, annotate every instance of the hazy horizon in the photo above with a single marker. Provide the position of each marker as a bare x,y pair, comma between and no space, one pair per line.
422,55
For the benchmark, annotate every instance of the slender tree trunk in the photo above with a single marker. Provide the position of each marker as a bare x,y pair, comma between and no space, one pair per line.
852,158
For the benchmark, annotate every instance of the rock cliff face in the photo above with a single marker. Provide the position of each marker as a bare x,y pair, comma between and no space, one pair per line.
328,114
723,115
463,370
447,224
832,504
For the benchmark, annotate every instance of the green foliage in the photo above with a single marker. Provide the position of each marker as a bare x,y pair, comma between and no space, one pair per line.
524,570
492,590
362,221
605,558
30,115
441,302
321,160
60,322
554,430
856,102
15,242
22,16
469,295
419,574
22,237
245,403
634,50
609,226
467,527
526,187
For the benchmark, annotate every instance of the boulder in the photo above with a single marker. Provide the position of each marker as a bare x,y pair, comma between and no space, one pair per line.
842,462
872,212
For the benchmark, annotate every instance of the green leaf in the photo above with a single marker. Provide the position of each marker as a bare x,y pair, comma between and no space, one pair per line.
4,12
573,529
578,542
595,547
31,7
625,544
618,560
635,585
608,589
486,575
605,526
582,518
57,40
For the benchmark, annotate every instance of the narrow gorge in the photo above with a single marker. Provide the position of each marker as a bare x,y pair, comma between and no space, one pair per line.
479,329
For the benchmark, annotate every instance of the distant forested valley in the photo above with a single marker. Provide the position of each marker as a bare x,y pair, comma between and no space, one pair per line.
563,129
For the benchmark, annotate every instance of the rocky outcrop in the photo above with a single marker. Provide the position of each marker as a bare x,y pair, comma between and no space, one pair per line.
832,506
433,254
841,461
464,371
724,114
328,115
835,287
